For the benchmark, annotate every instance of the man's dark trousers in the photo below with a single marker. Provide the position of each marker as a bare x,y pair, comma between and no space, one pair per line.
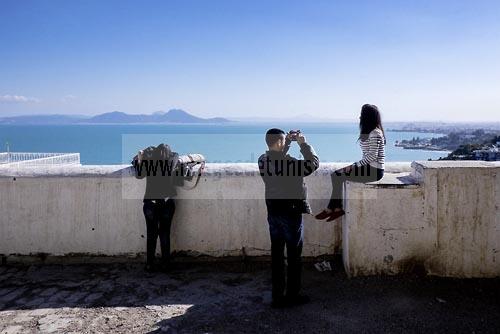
286,229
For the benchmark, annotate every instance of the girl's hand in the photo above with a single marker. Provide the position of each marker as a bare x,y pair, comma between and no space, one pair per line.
347,169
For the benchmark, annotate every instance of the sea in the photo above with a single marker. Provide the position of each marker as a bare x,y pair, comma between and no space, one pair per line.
234,142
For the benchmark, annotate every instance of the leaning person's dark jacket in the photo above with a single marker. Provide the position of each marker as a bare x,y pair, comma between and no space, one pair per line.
283,177
162,176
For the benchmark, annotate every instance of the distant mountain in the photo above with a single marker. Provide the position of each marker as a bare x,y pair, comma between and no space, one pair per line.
114,117
172,116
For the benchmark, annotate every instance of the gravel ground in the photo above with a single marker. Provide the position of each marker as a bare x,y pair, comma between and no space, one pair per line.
232,298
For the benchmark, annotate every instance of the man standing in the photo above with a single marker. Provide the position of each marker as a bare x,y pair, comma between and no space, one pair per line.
286,201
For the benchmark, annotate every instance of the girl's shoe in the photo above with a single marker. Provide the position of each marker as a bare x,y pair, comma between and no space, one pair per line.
335,214
323,214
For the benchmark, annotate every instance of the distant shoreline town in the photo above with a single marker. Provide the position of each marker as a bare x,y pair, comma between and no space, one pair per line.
464,142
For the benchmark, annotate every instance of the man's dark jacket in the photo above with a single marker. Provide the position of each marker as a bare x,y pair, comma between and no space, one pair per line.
162,176
283,177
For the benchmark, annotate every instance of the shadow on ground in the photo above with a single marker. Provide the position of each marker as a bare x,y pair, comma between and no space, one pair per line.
224,298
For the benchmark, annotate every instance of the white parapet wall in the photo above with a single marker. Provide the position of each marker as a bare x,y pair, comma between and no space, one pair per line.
462,203
442,220
97,210
438,217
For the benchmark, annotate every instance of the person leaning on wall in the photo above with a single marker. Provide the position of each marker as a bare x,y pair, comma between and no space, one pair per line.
162,170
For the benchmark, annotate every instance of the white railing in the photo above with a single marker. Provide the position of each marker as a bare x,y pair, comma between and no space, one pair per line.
4,157
21,159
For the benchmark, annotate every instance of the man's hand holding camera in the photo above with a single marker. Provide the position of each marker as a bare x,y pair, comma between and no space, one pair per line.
296,135
301,139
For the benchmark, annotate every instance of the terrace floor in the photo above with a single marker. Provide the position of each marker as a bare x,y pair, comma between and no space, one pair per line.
229,298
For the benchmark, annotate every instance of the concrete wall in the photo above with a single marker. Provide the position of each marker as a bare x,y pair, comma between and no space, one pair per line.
462,204
438,217
384,230
97,210
443,220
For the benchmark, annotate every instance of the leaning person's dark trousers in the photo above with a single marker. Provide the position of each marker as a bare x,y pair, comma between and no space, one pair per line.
363,174
158,214
286,229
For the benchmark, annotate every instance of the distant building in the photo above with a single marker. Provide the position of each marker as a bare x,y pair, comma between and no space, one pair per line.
25,159
488,154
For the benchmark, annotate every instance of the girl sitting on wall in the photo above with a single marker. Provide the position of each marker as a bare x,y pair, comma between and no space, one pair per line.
369,169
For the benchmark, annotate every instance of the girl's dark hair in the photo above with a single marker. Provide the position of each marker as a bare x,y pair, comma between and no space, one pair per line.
164,151
370,120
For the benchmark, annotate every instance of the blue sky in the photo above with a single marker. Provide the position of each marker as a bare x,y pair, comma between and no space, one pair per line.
417,60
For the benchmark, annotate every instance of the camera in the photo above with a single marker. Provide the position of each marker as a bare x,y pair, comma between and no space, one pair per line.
293,134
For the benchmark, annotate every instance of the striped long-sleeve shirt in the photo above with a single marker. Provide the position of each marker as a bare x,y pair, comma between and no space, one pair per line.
373,150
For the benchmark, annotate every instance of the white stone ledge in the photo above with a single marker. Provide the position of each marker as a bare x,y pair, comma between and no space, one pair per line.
390,180
456,164
217,169
418,167
65,171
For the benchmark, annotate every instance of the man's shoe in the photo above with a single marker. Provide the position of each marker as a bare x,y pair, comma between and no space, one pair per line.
279,303
298,300
335,215
323,214
165,267
150,268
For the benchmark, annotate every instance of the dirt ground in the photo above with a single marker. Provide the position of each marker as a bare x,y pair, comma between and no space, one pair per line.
235,298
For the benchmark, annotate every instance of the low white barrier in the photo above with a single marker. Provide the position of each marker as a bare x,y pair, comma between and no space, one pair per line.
440,217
